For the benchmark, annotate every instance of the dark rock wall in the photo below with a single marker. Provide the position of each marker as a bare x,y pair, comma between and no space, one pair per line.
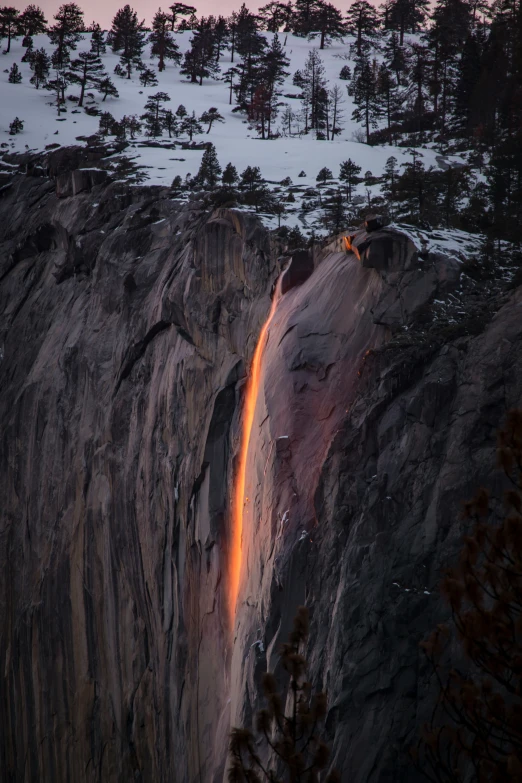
127,322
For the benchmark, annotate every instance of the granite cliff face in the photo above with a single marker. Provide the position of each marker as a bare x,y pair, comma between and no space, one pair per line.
128,324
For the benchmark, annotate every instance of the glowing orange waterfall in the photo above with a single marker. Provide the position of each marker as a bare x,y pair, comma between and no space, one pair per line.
238,501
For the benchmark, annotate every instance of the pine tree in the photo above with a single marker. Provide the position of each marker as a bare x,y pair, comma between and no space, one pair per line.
170,123
386,93
349,174
335,113
181,112
33,21
87,71
15,77
313,91
127,37
451,25
179,10
98,43
200,62
107,87
58,85
221,36
274,15
271,75
363,22
163,45
469,72
28,43
16,126
389,182
324,175
363,89
154,115
230,77
289,725
334,213
230,175
148,78
328,24
250,45
418,82
305,15
106,123
211,116
210,170
40,65
9,24
191,125
395,58
405,16
65,33
345,73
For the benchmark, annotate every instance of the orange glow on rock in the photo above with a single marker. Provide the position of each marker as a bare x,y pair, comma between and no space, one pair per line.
239,500
350,248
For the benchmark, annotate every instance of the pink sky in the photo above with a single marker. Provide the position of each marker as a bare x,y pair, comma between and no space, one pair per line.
103,11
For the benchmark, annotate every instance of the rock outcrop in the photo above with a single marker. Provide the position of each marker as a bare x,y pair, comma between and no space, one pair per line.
128,323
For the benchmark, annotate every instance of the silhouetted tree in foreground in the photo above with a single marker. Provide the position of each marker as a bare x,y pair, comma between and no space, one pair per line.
289,733
476,730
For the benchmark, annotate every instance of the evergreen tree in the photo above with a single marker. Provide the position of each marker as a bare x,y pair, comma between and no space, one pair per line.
179,10
15,77
16,126
335,113
107,87
58,85
200,61
181,112
9,24
275,15
163,45
251,179
40,65
154,115
210,170
65,33
211,116
170,123
191,125
328,24
304,20
106,123
363,22
389,182
395,58
250,45
345,73
363,89
221,36
469,71
386,93
419,73
405,16
334,213
313,85
28,43
33,21
127,37
349,174
87,71
272,73
148,78
324,175
451,25
230,77
230,175
98,44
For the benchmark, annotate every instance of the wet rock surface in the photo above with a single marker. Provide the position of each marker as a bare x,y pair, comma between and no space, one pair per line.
127,323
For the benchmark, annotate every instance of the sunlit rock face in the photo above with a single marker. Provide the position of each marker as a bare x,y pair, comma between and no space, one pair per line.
128,325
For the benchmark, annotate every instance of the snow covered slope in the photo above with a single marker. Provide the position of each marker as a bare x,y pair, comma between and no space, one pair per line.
235,140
